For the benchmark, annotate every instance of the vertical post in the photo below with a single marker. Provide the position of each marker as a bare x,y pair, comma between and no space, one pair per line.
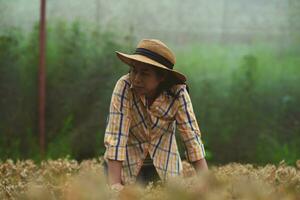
42,78
98,12
224,35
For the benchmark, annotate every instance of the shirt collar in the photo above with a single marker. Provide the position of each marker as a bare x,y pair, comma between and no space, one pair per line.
143,97
131,86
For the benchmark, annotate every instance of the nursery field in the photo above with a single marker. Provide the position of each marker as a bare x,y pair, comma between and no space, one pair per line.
241,59
69,179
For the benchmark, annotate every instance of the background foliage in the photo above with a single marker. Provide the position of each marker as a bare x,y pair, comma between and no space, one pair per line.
246,99
241,58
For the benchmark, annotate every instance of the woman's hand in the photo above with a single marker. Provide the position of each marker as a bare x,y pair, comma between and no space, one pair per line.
117,187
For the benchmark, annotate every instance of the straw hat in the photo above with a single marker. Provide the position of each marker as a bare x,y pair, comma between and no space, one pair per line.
155,53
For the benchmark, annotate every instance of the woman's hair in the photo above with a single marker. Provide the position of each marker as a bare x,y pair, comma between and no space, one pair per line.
168,83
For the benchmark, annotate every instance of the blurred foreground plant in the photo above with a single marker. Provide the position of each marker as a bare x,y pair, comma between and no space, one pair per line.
71,180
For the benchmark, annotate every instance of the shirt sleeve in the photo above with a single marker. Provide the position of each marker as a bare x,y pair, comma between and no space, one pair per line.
118,122
188,127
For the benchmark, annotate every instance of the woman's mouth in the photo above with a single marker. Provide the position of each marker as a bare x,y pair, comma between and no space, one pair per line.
138,87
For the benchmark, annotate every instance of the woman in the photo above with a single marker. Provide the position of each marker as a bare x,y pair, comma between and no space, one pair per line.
147,105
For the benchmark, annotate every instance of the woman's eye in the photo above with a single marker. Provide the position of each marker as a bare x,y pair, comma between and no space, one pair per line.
145,73
134,71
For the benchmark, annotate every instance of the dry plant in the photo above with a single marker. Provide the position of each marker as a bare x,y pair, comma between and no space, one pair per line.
70,180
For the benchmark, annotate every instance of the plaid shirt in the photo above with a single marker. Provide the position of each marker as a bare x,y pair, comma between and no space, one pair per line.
133,130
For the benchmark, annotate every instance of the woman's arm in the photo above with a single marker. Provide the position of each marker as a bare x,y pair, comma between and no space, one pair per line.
200,165
116,132
114,171
189,131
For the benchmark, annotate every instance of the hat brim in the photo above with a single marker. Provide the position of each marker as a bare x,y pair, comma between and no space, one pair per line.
129,59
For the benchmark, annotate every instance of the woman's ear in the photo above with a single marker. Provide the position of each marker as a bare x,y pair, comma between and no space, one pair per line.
164,76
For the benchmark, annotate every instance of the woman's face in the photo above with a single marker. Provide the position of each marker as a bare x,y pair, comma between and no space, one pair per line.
144,79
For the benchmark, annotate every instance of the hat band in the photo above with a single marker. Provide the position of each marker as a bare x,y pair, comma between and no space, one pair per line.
154,56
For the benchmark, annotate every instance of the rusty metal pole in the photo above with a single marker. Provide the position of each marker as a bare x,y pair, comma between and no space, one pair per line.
42,78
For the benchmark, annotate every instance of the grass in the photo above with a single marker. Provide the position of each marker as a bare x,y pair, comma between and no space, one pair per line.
68,179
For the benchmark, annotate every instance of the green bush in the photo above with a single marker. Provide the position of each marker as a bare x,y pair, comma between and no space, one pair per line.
246,98
81,69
